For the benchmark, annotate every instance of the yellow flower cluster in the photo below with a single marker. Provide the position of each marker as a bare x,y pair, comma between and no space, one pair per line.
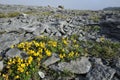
48,53
69,55
20,63
37,50
62,55
5,76
52,43
65,41
17,65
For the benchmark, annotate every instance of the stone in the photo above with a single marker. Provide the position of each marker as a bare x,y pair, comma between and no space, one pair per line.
40,30
8,39
41,74
79,66
95,60
13,53
100,72
1,65
29,29
111,28
116,66
51,60
115,78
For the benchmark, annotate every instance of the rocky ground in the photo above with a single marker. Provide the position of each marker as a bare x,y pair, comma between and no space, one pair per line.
23,23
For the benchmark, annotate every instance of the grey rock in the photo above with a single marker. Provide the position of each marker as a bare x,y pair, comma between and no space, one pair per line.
116,66
115,78
8,39
111,28
29,28
1,65
41,29
51,60
13,53
80,77
96,60
100,72
79,66
22,16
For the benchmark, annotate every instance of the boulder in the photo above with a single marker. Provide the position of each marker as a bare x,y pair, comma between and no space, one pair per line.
79,66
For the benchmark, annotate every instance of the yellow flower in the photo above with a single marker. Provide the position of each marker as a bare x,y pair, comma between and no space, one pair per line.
13,61
31,52
65,41
102,39
27,72
20,69
40,50
74,41
21,45
19,61
36,44
22,65
4,75
42,44
8,66
76,45
9,63
71,54
38,59
52,43
63,50
64,55
16,77
48,53
36,54
61,56
30,59
27,64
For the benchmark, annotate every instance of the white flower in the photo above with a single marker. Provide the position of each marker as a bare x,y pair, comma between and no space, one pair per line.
41,74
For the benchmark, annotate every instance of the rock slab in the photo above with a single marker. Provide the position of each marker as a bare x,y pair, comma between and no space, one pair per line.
101,72
79,66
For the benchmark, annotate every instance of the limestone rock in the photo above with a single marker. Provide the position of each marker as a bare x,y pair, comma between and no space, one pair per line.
79,66
13,53
1,65
51,60
100,72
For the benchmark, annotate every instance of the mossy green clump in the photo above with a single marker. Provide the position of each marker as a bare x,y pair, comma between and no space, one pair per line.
9,15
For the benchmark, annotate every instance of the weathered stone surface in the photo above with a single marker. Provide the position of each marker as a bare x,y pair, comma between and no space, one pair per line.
51,60
115,78
79,66
13,53
6,40
1,65
100,72
116,66
111,28
96,60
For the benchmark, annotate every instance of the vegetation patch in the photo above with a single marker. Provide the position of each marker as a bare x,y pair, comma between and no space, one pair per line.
67,48
9,15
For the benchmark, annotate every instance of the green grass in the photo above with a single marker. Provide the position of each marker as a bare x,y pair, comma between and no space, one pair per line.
9,15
